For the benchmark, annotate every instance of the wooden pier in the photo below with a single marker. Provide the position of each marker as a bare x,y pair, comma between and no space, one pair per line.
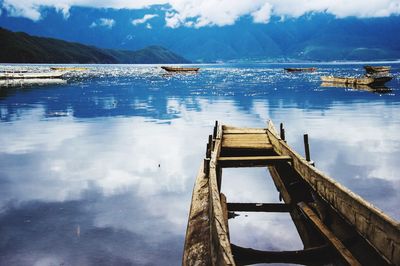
336,226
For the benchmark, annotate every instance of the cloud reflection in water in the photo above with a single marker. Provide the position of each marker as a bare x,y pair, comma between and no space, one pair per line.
79,165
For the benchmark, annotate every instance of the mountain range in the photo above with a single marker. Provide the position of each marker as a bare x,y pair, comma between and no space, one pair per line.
311,37
20,47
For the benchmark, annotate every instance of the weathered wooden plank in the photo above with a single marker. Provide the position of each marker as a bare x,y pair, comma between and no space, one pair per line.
238,130
197,240
253,161
344,253
243,141
380,230
221,253
239,140
246,137
259,207
247,145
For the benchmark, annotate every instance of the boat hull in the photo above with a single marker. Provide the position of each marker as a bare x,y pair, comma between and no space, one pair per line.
377,69
180,69
336,226
304,69
28,75
69,68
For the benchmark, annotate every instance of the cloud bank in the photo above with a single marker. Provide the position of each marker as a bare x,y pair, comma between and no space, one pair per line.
200,13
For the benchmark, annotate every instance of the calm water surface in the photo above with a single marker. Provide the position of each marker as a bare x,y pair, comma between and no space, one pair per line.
100,170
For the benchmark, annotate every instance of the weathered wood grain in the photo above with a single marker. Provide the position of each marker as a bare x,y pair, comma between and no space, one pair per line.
221,253
251,161
343,252
197,241
375,226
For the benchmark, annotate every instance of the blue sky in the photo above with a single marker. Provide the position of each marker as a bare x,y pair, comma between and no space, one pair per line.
207,30
201,13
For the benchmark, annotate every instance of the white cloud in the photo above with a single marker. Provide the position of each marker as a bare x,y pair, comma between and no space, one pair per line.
200,13
103,22
146,18
263,14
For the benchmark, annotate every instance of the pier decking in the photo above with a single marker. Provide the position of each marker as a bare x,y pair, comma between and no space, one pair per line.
335,225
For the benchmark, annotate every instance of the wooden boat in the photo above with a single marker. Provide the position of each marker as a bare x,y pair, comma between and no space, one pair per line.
69,68
180,69
31,75
301,69
336,226
366,80
377,69
9,83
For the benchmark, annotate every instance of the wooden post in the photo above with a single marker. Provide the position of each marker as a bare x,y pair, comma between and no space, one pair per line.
209,146
215,130
282,132
219,177
307,147
206,166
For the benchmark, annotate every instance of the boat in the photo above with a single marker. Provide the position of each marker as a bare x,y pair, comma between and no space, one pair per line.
366,80
180,69
69,68
301,69
31,75
377,69
11,83
336,226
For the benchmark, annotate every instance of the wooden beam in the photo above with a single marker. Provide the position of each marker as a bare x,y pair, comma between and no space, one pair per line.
259,207
247,145
197,240
311,256
378,229
252,161
342,251
239,130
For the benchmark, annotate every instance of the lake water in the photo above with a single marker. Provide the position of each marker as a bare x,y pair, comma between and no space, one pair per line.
100,170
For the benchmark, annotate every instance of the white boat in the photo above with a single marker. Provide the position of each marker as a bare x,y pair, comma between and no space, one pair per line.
31,75
7,83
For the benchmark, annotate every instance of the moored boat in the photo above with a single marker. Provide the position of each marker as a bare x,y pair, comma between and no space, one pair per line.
377,69
31,75
180,69
69,68
10,83
367,80
301,69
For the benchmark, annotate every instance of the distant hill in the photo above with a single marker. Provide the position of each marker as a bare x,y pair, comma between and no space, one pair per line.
19,47
311,37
